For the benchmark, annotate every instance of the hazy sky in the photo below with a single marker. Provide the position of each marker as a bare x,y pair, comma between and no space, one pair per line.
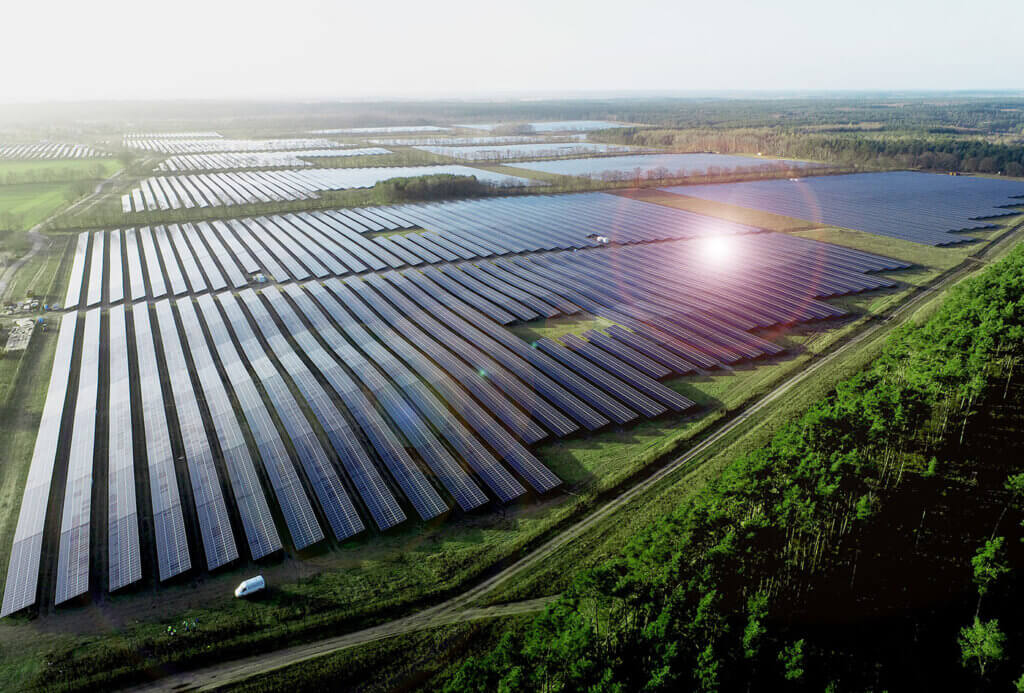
116,49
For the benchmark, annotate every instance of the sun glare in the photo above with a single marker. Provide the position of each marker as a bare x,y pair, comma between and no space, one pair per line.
717,250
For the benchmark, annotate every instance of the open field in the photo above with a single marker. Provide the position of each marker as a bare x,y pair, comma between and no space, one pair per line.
56,170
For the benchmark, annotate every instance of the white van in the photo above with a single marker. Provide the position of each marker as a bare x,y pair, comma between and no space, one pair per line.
250,586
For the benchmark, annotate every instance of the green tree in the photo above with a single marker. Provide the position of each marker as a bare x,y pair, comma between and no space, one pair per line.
981,645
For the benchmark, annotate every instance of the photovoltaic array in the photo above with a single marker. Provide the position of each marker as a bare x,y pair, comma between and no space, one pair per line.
375,380
253,187
921,207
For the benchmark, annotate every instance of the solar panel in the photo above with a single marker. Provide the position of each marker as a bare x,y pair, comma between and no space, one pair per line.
73,557
175,279
116,273
479,420
478,458
488,356
168,521
481,387
188,261
136,281
334,500
94,293
23,568
257,521
379,501
158,287
124,561
74,293
291,497
407,475
218,540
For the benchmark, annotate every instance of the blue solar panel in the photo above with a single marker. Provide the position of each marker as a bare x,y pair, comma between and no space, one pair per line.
919,207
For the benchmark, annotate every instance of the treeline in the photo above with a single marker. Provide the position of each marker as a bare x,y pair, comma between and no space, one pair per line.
874,544
441,186
969,155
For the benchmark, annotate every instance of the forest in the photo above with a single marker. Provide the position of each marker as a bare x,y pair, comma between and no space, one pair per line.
874,544
901,150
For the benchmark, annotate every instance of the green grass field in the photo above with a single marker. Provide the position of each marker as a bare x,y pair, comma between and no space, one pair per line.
63,170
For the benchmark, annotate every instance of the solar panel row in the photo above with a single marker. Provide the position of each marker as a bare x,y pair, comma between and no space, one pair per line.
23,568
124,560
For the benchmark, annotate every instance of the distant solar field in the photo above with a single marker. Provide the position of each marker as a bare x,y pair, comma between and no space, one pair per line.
50,150
482,140
253,187
920,207
655,165
554,125
381,130
205,145
526,151
239,160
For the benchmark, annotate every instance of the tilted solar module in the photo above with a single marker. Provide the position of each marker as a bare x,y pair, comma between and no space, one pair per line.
409,477
73,558
291,497
136,280
214,279
188,261
645,384
334,499
74,293
168,521
490,357
478,457
123,557
509,449
157,285
622,391
175,279
26,552
94,292
481,387
627,354
218,540
372,489
257,521
116,274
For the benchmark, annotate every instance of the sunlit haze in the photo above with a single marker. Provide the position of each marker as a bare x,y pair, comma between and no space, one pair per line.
328,50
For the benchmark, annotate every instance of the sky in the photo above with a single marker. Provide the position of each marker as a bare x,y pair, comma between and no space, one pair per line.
314,49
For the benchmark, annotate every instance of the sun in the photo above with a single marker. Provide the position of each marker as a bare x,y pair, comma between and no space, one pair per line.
717,250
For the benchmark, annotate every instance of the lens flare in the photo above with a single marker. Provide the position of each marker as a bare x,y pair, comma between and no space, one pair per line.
717,250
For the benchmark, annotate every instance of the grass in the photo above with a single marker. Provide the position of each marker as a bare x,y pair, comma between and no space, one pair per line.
553,328
414,661
25,205
40,276
63,171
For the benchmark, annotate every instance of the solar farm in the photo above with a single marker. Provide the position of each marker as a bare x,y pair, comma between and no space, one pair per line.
932,209
657,165
49,150
236,188
328,374
553,125
296,384
503,152
274,159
